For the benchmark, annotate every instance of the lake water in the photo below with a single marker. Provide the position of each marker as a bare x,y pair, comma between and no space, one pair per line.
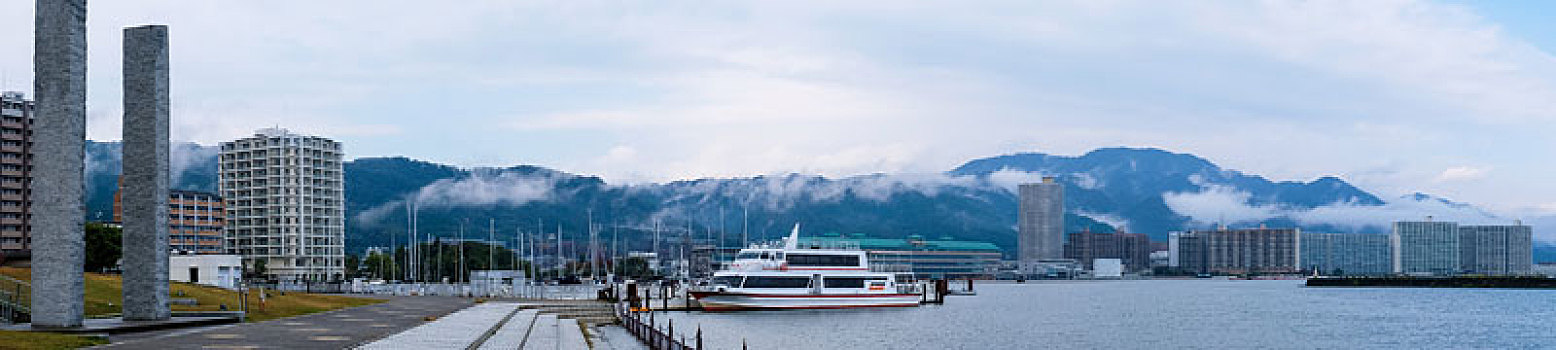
1158,314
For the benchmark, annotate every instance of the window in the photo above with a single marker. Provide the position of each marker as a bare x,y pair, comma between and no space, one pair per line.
851,282
823,260
731,281
747,256
844,282
777,282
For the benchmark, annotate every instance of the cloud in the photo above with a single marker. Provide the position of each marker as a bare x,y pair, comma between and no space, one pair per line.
1219,204
739,89
484,187
1462,173
1119,223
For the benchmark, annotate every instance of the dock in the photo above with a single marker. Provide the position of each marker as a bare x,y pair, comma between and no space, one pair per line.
1523,282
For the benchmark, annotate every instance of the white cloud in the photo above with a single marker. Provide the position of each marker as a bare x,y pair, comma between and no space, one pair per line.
1463,173
1219,204
1289,89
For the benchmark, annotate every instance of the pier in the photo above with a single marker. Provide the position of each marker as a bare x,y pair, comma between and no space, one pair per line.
1437,282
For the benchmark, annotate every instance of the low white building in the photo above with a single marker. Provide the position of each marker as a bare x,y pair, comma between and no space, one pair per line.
212,270
1107,268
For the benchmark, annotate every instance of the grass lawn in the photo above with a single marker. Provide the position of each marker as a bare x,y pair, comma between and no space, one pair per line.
104,298
39,340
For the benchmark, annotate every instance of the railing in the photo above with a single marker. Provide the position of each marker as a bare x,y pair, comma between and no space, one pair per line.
15,296
514,289
647,332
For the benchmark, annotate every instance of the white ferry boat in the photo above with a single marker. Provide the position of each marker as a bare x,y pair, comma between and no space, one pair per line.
793,277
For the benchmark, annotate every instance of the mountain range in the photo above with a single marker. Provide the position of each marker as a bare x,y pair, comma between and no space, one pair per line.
1112,189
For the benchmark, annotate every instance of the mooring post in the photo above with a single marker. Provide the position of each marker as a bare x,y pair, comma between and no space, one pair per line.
59,146
699,337
632,294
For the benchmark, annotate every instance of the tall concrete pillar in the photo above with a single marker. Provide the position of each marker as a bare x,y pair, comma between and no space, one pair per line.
59,141
145,188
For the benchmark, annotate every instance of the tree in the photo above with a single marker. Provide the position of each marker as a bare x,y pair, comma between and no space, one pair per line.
635,267
353,262
259,270
104,247
380,266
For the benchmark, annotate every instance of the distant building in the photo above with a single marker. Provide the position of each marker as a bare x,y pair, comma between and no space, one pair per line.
1496,249
1107,268
1545,268
196,221
921,258
285,204
1188,252
1346,254
1238,251
15,172
1133,249
211,270
1040,221
1425,248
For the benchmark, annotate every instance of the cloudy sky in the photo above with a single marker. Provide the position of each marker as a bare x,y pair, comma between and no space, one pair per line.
1454,99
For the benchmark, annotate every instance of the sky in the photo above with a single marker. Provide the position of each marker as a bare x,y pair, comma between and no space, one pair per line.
1456,99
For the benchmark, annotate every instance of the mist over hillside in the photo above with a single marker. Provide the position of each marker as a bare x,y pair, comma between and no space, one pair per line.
1137,190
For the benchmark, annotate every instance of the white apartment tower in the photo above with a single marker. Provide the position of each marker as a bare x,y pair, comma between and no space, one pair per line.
285,204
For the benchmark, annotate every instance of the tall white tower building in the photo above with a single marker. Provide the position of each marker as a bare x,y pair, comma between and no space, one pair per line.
285,204
1040,222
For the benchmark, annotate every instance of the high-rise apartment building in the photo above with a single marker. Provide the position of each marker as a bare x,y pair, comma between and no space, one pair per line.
1346,254
1425,247
1133,249
1040,221
285,204
15,171
1238,251
1496,249
196,221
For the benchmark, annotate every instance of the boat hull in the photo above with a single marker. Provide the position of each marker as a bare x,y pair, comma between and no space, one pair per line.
725,301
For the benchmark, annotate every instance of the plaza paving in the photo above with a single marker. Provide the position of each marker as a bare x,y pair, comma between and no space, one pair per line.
337,329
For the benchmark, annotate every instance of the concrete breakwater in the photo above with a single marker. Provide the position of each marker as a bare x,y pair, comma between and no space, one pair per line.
1436,282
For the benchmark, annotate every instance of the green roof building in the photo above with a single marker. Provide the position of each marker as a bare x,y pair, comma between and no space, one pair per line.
917,257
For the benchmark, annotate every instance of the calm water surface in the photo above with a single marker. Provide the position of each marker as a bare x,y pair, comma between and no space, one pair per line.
1158,314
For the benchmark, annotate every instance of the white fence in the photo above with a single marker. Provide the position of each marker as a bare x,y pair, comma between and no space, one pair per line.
516,289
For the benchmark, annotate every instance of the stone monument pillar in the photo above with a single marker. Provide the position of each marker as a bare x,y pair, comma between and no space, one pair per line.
145,188
59,140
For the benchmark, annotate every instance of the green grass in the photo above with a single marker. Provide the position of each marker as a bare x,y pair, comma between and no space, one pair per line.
104,298
39,340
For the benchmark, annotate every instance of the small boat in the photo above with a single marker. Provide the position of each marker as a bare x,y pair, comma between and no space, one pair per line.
792,277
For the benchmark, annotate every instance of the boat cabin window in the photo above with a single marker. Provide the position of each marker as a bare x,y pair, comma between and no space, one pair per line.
751,255
767,255
731,281
777,282
823,260
852,282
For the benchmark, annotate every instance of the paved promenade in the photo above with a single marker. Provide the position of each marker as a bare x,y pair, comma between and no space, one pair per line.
329,330
493,325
